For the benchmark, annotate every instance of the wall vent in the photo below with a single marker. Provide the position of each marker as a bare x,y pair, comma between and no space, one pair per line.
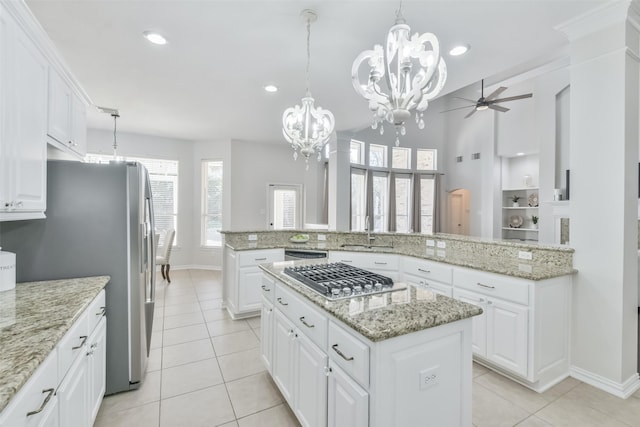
459,159
475,156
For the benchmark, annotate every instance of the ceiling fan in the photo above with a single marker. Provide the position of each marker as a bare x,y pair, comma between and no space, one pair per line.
489,101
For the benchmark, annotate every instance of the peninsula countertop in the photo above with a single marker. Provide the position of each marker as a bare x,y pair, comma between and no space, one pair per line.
33,318
383,316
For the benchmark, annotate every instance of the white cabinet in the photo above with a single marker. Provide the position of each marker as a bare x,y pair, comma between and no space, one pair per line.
283,354
348,404
23,89
310,376
479,334
434,276
385,264
67,116
73,394
266,341
243,279
97,367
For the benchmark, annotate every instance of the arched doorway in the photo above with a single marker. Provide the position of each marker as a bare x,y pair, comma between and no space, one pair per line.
458,202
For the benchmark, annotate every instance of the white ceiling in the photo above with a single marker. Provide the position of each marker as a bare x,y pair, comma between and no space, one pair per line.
206,83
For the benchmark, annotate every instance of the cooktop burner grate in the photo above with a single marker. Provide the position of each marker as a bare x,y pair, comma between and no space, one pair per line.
338,280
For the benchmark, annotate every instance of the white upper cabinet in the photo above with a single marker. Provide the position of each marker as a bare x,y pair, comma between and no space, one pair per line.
67,116
23,98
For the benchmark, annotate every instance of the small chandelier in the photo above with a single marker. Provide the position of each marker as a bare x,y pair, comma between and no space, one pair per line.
307,128
414,73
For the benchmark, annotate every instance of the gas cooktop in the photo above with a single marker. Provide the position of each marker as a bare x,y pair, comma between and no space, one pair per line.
337,280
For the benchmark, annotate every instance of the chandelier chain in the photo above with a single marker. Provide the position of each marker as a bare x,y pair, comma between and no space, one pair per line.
308,54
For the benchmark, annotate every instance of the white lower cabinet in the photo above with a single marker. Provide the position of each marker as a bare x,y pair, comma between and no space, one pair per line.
310,377
97,367
283,354
438,288
266,343
348,404
73,395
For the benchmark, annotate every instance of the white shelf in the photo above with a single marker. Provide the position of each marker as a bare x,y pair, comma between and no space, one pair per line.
520,207
520,229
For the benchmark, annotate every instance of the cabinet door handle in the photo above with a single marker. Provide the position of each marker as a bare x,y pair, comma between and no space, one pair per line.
84,340
346,260
486,286
380,263
424,271
306,324
260,259
49,392
341,354
102,312
283,303
264,288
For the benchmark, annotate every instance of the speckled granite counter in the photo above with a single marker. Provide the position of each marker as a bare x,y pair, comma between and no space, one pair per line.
487,255
33,319
383,316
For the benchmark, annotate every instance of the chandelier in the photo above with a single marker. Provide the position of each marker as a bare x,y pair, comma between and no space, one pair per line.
413,71
307,128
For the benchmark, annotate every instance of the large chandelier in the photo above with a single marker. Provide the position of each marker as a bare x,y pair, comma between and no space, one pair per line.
307,128
413,71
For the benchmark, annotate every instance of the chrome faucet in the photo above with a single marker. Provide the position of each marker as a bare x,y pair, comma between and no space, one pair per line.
367,227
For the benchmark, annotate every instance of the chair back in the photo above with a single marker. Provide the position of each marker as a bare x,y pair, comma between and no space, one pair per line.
165,250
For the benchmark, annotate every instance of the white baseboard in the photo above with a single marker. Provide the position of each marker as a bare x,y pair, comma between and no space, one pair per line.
623,390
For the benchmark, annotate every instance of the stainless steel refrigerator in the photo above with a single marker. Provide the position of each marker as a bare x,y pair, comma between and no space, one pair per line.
99,222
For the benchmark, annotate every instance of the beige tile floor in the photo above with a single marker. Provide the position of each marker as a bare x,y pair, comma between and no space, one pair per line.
204,370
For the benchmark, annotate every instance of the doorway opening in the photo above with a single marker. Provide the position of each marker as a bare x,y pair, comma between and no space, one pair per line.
285,206
458,207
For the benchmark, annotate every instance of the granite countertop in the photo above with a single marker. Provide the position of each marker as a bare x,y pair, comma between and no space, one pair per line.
33,318
383,316
479,261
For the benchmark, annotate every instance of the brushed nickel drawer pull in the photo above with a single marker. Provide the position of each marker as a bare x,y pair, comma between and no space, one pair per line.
260,259
84,340
283,303
306,324
264,288
346,260
46,400
486,286
424,271
102,312
380,263
335,348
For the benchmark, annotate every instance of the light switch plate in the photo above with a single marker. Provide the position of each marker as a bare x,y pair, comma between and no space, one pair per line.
252,237
431,243
525,255
442,244
429,377
322,237
441,253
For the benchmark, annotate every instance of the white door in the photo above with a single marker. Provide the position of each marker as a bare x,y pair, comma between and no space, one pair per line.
310,383
283,356
73,396
348,402
266,338
249,294
97,368
507,326
285,207
479,323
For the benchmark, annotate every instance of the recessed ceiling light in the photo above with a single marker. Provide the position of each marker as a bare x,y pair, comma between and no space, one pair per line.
154,38
459,50
519,154
271,88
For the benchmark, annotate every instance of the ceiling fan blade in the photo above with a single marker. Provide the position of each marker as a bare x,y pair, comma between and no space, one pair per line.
471,113
465,99
512,98
459,108
495,93
499,108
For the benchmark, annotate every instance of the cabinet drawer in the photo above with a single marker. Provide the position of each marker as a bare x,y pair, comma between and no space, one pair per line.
268,288
366,261
428,270
249,258
96,311
36,394
350,353
308,320
504,287
73,344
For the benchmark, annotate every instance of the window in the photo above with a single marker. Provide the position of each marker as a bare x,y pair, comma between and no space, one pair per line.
380,201
356,152
426,159
211,203
284,212
163,175
427,194
358,199
403,203
378,155
401,158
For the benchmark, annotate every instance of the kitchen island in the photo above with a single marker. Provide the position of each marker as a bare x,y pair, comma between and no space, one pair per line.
34,318
401,358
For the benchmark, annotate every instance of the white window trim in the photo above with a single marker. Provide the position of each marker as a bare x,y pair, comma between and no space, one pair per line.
203,203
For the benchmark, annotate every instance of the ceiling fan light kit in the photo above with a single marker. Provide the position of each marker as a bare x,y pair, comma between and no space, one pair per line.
412,70
306,127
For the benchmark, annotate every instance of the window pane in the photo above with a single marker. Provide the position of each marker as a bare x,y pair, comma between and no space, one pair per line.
427,194
403,203
380,202
211,203
356,153
285,209
426,159
358,200
378,155
401,158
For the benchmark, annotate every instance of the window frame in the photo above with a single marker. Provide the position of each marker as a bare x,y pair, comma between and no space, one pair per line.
204,211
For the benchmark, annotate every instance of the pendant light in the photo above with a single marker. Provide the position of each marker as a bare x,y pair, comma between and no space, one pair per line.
307,128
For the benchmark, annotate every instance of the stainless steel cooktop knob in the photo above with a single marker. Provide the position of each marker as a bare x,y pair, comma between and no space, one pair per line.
368,288
346,291
335,292
377,287
357,289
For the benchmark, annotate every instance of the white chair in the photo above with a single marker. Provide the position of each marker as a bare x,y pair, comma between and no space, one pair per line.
164,254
